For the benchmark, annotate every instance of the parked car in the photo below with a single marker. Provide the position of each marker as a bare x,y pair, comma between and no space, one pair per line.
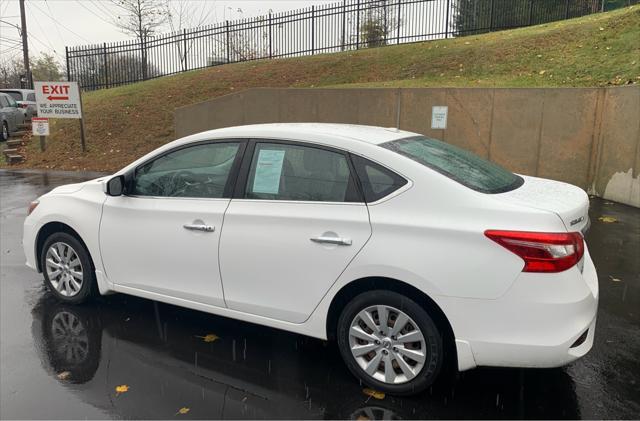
26,99
408,251
11,115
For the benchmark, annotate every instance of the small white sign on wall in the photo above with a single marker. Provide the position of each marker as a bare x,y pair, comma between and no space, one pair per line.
439,117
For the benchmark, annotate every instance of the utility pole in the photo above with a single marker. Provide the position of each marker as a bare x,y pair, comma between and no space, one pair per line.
25,46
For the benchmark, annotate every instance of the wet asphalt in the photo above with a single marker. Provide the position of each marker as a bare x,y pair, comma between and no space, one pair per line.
65,362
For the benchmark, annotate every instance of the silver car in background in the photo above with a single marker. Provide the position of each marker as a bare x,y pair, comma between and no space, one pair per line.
26,99
10,116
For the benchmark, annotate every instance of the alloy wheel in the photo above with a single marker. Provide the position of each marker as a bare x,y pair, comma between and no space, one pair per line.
387,344
64,269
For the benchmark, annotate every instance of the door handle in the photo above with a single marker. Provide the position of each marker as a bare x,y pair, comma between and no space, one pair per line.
332,240
199,227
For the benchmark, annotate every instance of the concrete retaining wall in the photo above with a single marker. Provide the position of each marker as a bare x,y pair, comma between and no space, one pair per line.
589,137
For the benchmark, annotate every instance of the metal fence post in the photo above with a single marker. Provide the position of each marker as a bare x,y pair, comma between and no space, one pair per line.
228,43
184,39
105,64
270,38
344,24
66,55
313,30
491,17
358,27
398,22
446,30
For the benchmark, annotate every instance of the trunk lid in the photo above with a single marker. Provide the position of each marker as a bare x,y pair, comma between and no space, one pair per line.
569,202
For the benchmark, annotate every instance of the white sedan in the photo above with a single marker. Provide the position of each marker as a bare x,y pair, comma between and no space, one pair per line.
408,251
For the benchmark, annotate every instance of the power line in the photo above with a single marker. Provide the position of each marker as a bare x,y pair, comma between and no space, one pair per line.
93,13
40,26
59,23
57,29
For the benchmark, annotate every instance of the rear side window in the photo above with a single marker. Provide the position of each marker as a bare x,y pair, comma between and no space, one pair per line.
377,181
16,95
299,173
459,165
31,97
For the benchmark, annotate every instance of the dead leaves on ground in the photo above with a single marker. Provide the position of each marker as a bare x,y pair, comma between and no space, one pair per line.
123,388
373,393
607,219
209,337
64,375
182,411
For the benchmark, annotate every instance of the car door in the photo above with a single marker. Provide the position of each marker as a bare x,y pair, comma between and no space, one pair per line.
296,222
162,236
6,110
14,108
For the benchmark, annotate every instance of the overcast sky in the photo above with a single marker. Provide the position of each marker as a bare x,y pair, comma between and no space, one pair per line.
54,24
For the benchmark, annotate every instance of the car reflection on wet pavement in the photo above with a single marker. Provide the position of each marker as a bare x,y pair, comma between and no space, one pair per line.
62,361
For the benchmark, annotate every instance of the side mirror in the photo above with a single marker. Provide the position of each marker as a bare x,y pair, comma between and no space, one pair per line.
115,186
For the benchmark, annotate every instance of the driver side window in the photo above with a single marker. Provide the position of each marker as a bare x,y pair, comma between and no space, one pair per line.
200,171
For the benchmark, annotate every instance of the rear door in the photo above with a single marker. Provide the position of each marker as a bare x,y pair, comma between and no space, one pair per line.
295,223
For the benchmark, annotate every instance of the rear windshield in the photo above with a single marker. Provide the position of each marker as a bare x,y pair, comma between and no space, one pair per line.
17,95
462,166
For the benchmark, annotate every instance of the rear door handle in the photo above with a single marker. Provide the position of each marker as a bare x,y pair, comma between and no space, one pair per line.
199,227
332,240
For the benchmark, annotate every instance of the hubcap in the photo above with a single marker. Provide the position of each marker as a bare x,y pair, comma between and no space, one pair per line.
387,344
64,269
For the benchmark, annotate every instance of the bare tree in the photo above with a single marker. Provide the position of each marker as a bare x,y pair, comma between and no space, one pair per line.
142,18
183,15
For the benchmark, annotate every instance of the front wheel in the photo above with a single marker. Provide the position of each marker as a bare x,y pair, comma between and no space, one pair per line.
67,268
390,342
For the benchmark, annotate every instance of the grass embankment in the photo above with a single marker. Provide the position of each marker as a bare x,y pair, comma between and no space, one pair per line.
124,123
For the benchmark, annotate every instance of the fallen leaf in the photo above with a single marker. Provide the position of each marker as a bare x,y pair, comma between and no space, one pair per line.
607,219
209,337
601,28
541,72
373,393
123,388
615,279
183,410
64,375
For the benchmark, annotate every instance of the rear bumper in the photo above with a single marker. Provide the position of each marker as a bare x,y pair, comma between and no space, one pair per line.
534,324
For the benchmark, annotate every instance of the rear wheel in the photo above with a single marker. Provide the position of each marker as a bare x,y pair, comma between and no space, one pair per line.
5,132
390,342
67,268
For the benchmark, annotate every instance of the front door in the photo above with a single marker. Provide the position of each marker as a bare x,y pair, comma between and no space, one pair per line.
162,236
298,222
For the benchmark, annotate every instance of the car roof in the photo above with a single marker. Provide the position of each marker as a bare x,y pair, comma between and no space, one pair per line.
308,131
17,90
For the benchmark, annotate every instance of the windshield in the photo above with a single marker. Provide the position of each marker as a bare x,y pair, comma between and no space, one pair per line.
458,164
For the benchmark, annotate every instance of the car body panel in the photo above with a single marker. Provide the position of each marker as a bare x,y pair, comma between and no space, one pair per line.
26,98
10,114
428,234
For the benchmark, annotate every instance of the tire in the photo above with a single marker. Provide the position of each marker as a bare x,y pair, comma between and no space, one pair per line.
408,375
56,257
4,134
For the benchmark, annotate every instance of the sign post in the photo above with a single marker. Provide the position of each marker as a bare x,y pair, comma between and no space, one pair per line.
40,127
60,100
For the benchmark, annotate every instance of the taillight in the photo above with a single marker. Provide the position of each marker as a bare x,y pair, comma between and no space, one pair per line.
32,206
24,105
542,251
